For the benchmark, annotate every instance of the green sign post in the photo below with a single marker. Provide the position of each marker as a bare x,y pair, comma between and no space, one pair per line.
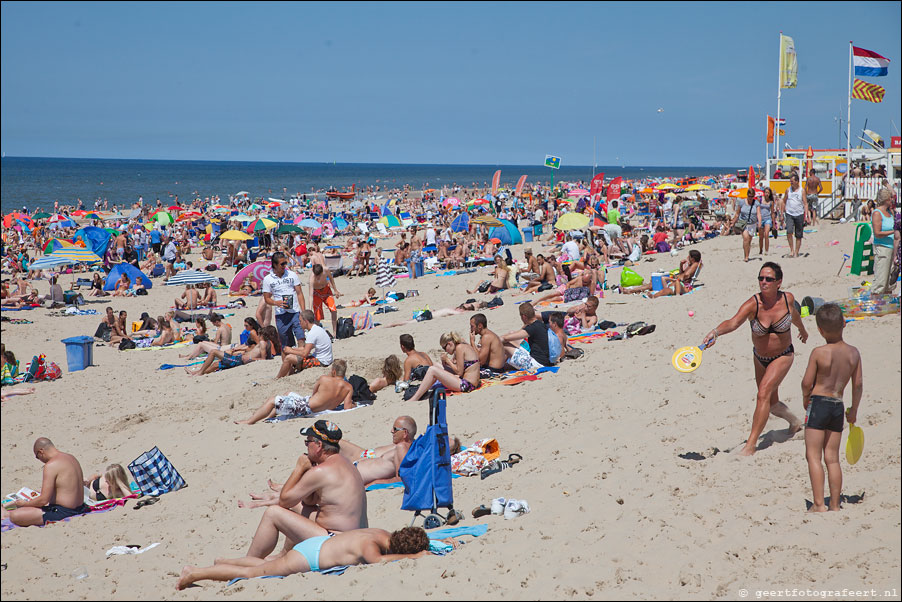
554,163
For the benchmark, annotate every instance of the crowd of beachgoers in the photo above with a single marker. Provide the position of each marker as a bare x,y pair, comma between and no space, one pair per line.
294,271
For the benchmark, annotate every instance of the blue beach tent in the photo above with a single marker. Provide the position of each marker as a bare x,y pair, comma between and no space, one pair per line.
96,239
128,269
508,234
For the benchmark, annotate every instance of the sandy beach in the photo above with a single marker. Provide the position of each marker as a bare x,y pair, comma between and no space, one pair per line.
615,511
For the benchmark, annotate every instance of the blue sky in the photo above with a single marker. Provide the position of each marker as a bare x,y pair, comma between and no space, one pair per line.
483,83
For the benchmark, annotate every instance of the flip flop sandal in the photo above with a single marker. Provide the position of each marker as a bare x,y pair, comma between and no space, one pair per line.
148,502
481,511
514,458
646,330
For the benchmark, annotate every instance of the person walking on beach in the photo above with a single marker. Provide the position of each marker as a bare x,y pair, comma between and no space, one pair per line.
796,208
813,188
282,289
772,348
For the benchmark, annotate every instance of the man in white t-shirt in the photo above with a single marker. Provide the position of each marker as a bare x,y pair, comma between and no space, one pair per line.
430,236
796,207
282,289
316,351
570,250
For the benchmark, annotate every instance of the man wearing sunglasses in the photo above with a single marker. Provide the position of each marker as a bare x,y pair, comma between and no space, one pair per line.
282,289
323,495
381,463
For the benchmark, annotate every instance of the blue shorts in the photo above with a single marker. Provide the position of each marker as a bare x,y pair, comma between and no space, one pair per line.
289,326
55,512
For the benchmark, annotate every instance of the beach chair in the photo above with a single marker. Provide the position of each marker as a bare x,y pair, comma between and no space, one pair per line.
694,282
426,470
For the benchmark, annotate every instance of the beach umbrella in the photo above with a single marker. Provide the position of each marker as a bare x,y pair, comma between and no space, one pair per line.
578,192
49,262
477,203
41,215
175,208
572,221
385,278
487,220
92,215
285,228
241,217
191,277
255,207
256,271
507,233
76,255
163,217
647,190
667,186
698,187
189,216
261,224
339,223
453,200
461,223
310,223
59,217
57,243
235,235
16,217
390,221
670,196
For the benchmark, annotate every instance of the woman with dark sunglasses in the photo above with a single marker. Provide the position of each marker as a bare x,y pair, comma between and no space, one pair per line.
771,347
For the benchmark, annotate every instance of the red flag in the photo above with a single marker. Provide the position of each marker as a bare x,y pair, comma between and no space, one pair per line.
496,180
597,184
614,188
520,184
751,177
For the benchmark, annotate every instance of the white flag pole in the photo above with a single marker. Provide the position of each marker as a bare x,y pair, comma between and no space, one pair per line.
779,94
849,120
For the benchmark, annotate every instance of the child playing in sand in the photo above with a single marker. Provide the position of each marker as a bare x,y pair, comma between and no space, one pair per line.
830,368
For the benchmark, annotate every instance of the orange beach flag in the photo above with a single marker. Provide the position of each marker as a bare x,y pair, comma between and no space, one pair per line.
770,129
869,92
520,184
496,180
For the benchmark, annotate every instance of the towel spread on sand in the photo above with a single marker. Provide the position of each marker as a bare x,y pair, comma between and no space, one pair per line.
323,413
438,548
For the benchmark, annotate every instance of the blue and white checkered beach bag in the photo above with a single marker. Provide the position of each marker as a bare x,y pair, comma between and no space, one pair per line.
155,474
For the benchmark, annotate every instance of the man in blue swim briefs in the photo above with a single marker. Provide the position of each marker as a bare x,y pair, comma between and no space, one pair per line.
323,495
362,546
62,489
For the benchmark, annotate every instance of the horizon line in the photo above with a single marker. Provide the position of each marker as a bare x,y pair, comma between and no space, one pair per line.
354,163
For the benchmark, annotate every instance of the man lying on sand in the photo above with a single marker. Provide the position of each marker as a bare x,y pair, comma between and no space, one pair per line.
330,391
362,546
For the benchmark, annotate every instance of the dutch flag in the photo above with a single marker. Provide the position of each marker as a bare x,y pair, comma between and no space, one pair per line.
781,121
868,63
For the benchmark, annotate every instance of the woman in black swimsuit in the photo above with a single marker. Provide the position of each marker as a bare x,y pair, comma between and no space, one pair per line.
113,484
771,347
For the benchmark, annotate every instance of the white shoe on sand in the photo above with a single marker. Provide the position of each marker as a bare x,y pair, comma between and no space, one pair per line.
515,508
498,506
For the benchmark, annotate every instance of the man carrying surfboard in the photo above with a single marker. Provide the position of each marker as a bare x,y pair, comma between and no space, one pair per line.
830,368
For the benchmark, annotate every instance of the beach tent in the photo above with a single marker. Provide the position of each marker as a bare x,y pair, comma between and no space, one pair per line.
507,233
257,271
390,221
461,223
131,271
95,239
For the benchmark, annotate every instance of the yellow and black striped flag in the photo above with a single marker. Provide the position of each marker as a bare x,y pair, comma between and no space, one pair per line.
869,92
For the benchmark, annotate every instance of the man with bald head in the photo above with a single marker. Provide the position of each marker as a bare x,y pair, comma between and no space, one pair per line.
381,463
62,489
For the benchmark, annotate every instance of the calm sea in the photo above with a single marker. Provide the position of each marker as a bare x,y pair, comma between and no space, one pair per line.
38,182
